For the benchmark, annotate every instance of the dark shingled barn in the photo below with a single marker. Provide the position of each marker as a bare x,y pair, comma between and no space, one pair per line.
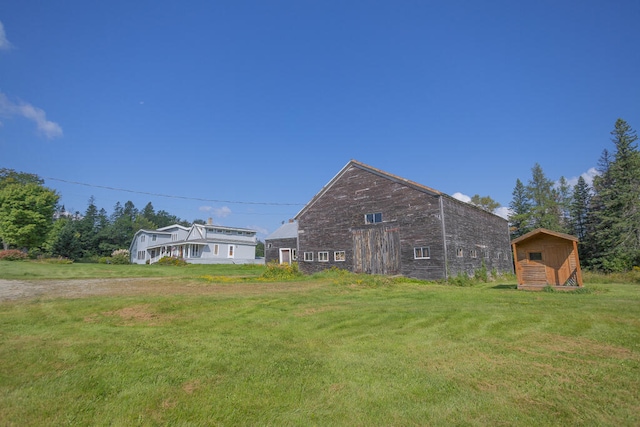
370,221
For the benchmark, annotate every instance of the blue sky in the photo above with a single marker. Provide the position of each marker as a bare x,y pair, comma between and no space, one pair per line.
263,102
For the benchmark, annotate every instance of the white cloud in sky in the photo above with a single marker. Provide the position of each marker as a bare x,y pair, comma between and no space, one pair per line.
503,211
461,197
4,42
587,176
217,212
37,115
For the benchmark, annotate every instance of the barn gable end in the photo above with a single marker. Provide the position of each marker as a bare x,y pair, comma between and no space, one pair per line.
366,220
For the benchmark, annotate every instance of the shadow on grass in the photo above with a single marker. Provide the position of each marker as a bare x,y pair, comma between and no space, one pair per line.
505,287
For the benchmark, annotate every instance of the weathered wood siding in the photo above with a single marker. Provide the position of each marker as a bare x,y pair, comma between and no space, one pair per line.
272,254
475,237
413,216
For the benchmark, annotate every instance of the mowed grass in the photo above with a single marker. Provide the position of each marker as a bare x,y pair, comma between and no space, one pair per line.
35,270
333,350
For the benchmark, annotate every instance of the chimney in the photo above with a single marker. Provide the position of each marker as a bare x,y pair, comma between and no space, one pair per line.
210,221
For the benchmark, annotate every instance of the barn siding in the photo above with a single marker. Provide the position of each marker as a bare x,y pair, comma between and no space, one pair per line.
272,254
472,229
329,223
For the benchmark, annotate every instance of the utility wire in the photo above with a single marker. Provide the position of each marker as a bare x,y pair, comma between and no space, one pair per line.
174,197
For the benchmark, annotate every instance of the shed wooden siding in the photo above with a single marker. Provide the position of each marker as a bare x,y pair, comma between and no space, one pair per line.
559,265
335,221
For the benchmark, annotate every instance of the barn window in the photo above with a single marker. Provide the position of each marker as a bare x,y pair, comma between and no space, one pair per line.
459,252
294,254
422,253
339,256
269,245
308,256
535,256
373,218
323,256
473,253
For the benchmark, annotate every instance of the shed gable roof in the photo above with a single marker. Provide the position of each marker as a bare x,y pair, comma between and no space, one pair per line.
538,231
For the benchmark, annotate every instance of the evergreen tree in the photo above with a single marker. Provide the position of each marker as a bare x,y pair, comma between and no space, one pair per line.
545,211
520,206
617,204
579,209
563,198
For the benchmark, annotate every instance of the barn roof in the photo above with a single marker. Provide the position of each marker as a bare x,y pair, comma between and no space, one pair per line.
538,231
287,230
375,171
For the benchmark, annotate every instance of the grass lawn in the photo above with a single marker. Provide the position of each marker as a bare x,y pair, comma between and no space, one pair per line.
328,350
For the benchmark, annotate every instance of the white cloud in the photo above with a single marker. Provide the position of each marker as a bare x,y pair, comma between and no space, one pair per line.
503,211
4,43
587,176
461,197
217,212
37,115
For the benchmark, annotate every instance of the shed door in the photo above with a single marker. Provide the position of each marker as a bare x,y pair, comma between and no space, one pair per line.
558,268
376,250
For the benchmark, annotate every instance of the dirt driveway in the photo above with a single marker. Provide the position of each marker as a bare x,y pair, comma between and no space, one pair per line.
11,290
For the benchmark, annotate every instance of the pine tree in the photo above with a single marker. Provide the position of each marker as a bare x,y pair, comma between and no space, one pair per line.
617,203
545,211
579,208
520,206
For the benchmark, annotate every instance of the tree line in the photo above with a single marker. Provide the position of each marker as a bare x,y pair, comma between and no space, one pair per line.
605,216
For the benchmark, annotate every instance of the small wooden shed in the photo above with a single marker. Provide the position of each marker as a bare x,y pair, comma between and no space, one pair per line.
547,258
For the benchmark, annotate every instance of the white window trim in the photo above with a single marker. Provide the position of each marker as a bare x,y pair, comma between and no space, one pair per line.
422,250
323,254
336,256
231,252
308,256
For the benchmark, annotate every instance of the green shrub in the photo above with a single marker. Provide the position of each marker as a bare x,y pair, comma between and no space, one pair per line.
278,271
12,255
120,256
167,260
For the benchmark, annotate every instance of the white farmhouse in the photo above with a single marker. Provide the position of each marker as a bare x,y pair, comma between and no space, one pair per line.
198,244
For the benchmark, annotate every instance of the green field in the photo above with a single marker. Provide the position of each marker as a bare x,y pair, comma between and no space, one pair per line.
226,348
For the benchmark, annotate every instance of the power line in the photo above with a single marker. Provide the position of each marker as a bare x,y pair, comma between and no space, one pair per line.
174,197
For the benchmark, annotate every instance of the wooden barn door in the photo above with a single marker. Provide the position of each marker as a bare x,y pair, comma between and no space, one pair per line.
376,250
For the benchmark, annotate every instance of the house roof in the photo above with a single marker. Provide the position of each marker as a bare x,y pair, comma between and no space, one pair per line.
379,172
287,230
538,231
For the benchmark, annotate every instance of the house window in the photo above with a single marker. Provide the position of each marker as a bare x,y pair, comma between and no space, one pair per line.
231,248
216,249
308,256
373,218
174,237
339,256
153,237
323,256
294,254
498,255
195,251
142,238
269,245
422,253
140,254
535,256
473,253
459,253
